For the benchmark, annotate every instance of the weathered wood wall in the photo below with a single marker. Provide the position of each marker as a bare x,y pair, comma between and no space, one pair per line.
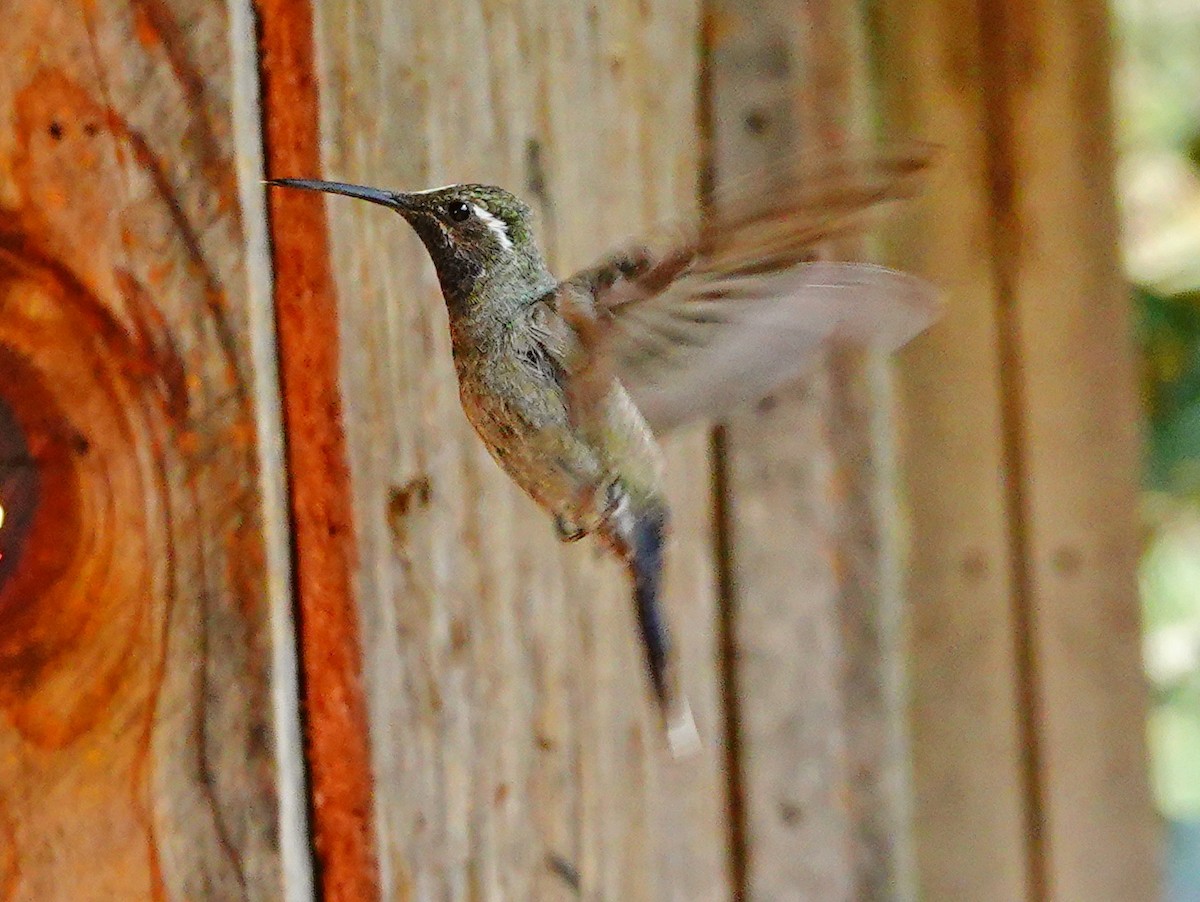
1021,457
820,766
477,717
137,747
514,749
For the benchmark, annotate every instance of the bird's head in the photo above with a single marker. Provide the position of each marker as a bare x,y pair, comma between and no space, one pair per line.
475,234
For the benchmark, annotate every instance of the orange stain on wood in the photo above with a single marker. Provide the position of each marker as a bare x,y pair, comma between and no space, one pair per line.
87,356
81,657
10,862
144,29
331,658
77,645
46,620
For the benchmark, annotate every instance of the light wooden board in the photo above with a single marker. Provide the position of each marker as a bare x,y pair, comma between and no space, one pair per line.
821,759
515,752
1021,462
965,735
1070,319
137,750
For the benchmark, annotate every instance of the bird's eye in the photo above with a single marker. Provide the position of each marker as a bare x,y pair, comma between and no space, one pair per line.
459,210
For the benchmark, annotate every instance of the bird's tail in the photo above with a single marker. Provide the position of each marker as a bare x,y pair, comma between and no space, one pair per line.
640,536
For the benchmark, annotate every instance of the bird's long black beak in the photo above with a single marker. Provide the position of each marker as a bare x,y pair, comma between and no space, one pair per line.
390,199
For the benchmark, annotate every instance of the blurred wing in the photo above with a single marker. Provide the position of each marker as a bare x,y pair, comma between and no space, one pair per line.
737,306
699,355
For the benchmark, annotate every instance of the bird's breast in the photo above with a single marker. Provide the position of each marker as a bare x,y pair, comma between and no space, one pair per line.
517,403
519,412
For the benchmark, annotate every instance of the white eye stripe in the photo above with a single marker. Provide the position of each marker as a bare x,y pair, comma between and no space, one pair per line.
432,190
496,225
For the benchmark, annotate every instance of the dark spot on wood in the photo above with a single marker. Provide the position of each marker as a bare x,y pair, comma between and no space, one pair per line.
91,129
757,121
545,743
790,813
566,871
1068,560
974,564
56,131
535,170
415,494
767,404
460,635
260,739
18,490
775,59
500,794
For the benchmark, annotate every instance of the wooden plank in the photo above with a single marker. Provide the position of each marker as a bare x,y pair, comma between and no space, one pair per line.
1045,558
137,749
868,557
966,738
818,723
796,835
514,751
295,846
320,504
1067,314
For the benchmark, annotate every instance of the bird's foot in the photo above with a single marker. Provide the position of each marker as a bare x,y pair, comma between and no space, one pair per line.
568,532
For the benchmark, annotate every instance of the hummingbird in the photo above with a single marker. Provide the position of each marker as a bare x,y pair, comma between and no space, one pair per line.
571,382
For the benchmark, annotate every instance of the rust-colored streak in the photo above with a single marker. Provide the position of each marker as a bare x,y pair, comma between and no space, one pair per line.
10,861
331,660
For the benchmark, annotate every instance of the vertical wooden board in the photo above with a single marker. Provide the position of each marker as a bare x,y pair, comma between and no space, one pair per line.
863,487
515,753
319,504
796,831
818,720
969,789
1072,321
136,743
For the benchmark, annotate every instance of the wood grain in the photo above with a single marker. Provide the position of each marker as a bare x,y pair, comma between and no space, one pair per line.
136,742
816,646
334,702
1069,354
1028,699
970,813
514,749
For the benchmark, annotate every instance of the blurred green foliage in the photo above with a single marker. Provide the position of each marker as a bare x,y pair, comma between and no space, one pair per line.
1170,579
1158,124
1169,326
1169,332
